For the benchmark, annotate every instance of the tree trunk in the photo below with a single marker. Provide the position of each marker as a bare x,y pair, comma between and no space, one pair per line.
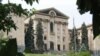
96,24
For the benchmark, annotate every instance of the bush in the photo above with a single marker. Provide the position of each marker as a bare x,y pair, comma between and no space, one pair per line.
84,53
81,53
9,49
27,50
20,54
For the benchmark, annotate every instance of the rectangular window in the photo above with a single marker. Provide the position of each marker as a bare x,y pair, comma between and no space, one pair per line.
45,37
63,39
58,38
58,47
63,47
45,46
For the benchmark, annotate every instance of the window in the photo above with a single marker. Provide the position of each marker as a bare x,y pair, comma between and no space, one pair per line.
91,30
58,47
51,46
45,46
63,39
25,30
63,47
45,37
51,26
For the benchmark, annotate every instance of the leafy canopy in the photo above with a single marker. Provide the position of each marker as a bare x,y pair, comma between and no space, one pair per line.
6,22
84,5
94,7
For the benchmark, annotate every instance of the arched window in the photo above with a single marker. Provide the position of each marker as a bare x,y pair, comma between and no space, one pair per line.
51,26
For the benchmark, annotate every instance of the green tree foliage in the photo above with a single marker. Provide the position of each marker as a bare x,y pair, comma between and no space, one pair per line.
77,43
29,36
6,22
31,1
84,37
94,7
39,34
72,40
8,48
74,44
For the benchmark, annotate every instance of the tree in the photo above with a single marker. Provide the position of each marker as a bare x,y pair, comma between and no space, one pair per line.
8,47
77,43
6,22
84,37
74,44
39,34
29,36
94,7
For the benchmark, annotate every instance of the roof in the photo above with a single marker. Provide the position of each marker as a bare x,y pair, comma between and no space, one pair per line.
80,27
46,11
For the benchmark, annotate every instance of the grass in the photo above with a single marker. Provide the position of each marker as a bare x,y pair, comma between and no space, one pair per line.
29,54
82,53
35,54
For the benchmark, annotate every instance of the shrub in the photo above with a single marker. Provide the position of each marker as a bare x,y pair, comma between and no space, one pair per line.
20,54
9,49
27,50
81,53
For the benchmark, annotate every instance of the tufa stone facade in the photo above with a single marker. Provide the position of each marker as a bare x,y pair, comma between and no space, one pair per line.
55,27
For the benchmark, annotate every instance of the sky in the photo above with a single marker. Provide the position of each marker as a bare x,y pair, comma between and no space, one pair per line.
68,7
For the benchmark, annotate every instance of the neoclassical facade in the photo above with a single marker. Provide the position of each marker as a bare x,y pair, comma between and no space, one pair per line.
55,28
56,36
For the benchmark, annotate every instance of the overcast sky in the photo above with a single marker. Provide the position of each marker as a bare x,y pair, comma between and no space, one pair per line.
68,7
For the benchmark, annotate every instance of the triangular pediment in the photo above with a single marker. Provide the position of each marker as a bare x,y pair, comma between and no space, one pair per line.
46,11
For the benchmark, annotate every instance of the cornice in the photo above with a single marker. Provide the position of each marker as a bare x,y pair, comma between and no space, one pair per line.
54,16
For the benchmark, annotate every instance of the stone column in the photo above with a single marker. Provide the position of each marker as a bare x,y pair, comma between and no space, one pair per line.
48,37
67,41
55,45
61,37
